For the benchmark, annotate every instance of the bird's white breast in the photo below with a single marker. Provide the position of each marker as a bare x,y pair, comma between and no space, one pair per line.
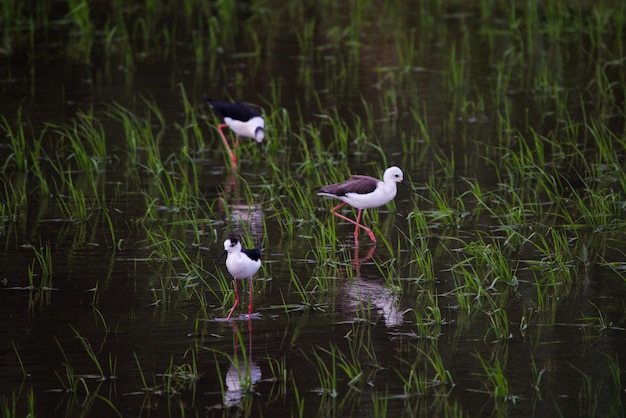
247,129
382,195
240,266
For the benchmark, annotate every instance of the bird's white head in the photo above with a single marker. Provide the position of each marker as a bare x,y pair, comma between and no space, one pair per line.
232,244
393,174
259,134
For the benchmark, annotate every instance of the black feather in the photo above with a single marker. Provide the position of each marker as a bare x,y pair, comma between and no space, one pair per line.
238,111
253,253
356,184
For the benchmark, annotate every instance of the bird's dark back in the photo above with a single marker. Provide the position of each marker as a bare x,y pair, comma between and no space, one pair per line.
252,253
238,111
356,184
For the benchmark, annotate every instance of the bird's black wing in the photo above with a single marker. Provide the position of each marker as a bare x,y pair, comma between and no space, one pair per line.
238,111
356,184
253,253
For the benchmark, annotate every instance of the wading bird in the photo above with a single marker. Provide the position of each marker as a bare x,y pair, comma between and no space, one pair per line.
365,192
243,119
241,263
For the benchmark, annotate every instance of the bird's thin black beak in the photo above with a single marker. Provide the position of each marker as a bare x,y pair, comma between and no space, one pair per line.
260,145
408,186
221,256
414,191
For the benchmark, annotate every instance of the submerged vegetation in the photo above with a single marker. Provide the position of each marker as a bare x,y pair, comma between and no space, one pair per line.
499,289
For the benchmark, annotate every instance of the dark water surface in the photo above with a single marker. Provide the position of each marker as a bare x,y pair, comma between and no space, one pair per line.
141,315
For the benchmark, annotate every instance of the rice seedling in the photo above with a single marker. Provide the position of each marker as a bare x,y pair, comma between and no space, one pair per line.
190,123
133,129
279,371
407,51
79,14
73,202
80,45
416,383
430,320
442,374
92,355
19,360
73,383
483,270
352,367
589,395
499,321
380,404
18,144
598,322
164,247
70,381
615,370
12,14
15,193
298,287
496,382
447,215
306,38
557,262
168,386
37,155
537,374
9,406
456,74
43,257
326,371
298,400
182,377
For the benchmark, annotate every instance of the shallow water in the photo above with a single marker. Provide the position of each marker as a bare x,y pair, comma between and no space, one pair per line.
143,318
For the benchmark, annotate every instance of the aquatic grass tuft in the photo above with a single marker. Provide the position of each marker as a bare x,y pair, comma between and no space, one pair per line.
326,371
298,399
415,383
179,378
43,258
442,375
18,144
496,382
9,406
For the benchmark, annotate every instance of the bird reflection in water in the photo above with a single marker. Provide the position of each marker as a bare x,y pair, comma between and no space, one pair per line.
243,373
357,261
243,217
360,292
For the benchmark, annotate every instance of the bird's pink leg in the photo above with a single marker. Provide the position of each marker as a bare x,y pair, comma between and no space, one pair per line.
358,225
250,305
233,157
249,337
236,300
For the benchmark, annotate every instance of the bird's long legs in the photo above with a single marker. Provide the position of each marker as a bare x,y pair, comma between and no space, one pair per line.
357,261
250,305
357,222
233,157
236,300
